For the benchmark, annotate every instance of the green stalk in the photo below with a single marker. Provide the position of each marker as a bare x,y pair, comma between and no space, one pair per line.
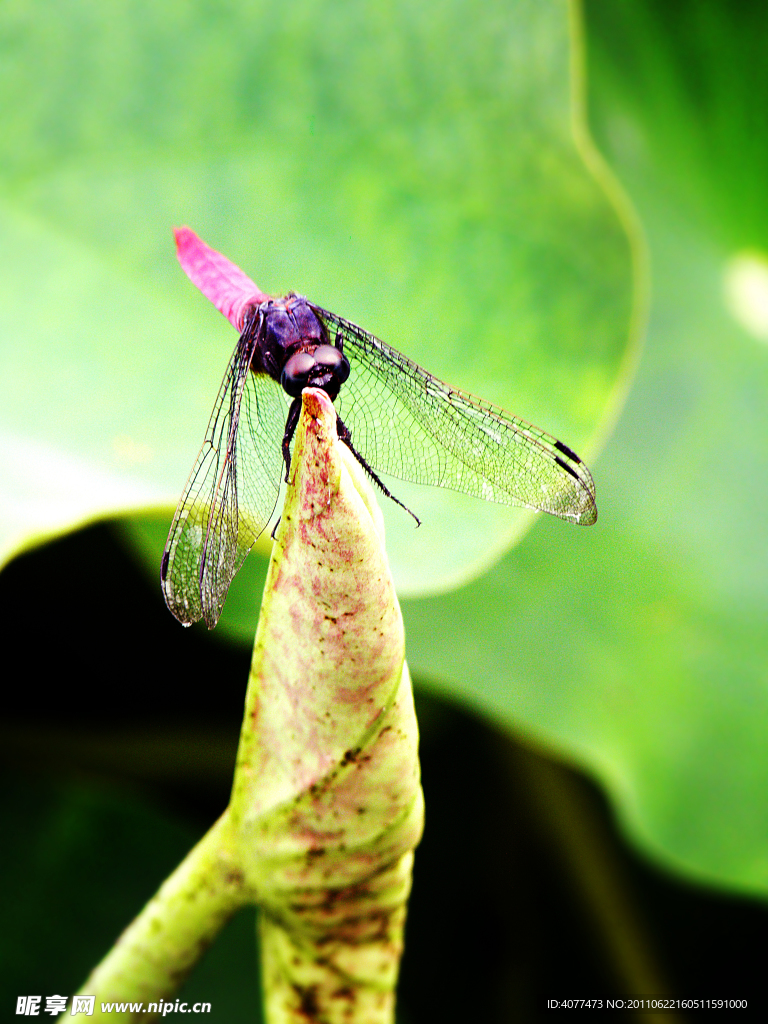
157,950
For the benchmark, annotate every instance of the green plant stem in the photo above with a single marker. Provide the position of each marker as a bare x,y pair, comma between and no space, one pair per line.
159,948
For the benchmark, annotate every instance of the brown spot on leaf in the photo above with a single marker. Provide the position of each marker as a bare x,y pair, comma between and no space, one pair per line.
308,1004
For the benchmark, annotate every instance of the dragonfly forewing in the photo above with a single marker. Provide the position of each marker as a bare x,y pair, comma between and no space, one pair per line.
412,426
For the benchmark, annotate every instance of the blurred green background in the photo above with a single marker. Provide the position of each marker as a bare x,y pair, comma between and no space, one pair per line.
427,171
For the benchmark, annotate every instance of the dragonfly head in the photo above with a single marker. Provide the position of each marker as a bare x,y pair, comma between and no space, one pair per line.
324,367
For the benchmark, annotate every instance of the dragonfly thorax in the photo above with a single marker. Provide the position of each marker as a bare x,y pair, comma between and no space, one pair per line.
284,326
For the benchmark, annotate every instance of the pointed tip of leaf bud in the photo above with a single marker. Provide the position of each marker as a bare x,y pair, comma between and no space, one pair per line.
222,282
330,632
320,430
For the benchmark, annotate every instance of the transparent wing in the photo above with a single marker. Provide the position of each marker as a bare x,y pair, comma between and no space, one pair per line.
408,424
231,492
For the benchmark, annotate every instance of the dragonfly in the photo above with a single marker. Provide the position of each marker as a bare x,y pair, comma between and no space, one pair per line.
397,419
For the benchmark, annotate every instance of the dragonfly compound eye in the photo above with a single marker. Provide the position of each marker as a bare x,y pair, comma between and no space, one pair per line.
296,373
330,360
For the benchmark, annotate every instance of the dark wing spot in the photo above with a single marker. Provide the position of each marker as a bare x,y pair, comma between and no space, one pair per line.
567,451
566,467
164,565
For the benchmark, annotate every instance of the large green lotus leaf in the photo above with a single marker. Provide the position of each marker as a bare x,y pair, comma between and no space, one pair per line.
410,166
640,648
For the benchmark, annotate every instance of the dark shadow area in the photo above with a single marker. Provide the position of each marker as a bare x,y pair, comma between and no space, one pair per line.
119,736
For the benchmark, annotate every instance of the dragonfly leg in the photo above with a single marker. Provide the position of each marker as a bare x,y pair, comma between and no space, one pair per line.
290,429
344,435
